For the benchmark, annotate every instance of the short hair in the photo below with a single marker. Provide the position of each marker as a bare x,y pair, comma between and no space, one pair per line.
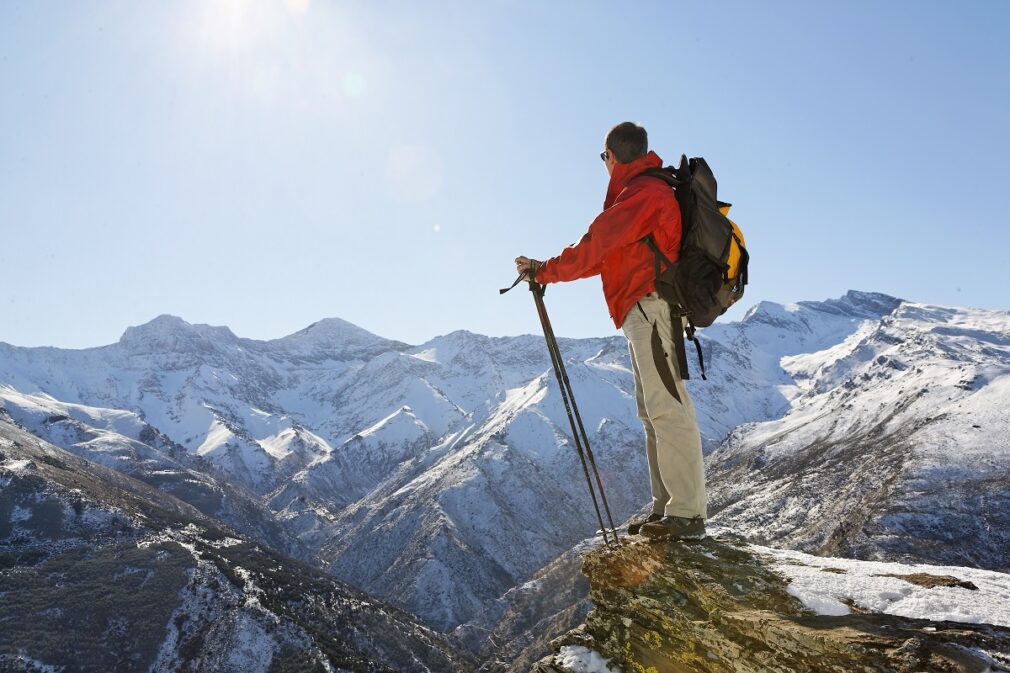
628,141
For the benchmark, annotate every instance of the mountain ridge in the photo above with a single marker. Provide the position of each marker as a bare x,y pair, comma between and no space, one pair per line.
455,499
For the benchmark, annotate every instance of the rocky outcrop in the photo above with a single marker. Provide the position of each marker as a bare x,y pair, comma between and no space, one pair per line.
720,606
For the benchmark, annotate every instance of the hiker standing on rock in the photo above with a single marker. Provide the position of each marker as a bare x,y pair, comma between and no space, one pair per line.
638,205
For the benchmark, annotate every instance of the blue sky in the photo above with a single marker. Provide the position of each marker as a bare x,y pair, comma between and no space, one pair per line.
263,164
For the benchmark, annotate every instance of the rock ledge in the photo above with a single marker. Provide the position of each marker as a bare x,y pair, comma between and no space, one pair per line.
718,606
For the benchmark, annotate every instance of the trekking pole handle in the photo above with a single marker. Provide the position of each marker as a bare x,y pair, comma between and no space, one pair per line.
534,286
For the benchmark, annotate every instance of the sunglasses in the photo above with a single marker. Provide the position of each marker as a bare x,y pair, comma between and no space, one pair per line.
605,154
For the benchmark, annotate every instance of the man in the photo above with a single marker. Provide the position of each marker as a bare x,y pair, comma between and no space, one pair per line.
637,205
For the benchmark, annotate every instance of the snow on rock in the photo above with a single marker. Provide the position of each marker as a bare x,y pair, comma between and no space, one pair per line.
828,585
295,443
16,466
580,659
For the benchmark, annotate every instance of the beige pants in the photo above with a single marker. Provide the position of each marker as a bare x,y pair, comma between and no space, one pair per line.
672,439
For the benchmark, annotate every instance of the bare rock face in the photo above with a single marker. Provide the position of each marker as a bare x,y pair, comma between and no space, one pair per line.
717,606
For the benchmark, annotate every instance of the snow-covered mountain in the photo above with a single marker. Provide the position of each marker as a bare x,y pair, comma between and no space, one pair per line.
101,572
123,441
438,476
896,446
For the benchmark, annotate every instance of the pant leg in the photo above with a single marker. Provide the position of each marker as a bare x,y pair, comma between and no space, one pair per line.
659,494
678,456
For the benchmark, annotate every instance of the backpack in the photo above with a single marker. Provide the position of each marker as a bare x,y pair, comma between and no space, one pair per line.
711,270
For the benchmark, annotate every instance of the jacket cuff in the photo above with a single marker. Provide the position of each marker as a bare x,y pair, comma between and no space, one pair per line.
543,273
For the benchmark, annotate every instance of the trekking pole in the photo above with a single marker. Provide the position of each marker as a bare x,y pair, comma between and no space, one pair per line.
538,295
568,397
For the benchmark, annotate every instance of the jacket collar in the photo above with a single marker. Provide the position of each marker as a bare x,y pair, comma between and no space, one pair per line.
623,173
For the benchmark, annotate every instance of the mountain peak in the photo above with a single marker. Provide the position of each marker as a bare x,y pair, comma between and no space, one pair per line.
167,321
334,325
857,303
448,347
172,333
333,330
765,308
335,337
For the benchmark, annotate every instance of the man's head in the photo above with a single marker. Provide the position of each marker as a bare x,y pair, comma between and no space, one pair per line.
625,142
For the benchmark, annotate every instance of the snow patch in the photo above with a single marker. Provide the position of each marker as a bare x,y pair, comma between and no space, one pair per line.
218,435
872,586
16,466
580,659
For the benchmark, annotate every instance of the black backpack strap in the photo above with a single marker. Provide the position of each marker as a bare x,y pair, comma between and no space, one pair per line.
657,255
650,241
667,175
678,342
697,345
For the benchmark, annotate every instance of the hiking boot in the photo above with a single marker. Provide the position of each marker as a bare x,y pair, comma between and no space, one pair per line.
675,528
635,526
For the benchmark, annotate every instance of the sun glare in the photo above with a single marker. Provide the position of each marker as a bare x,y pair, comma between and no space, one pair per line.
269,51
235,25
300,6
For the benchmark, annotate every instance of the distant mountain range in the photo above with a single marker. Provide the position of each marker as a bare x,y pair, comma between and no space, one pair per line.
441,477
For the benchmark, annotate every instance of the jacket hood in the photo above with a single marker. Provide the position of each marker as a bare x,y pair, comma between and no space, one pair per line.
623,173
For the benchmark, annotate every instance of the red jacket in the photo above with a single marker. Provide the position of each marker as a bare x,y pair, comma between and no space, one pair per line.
613,245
